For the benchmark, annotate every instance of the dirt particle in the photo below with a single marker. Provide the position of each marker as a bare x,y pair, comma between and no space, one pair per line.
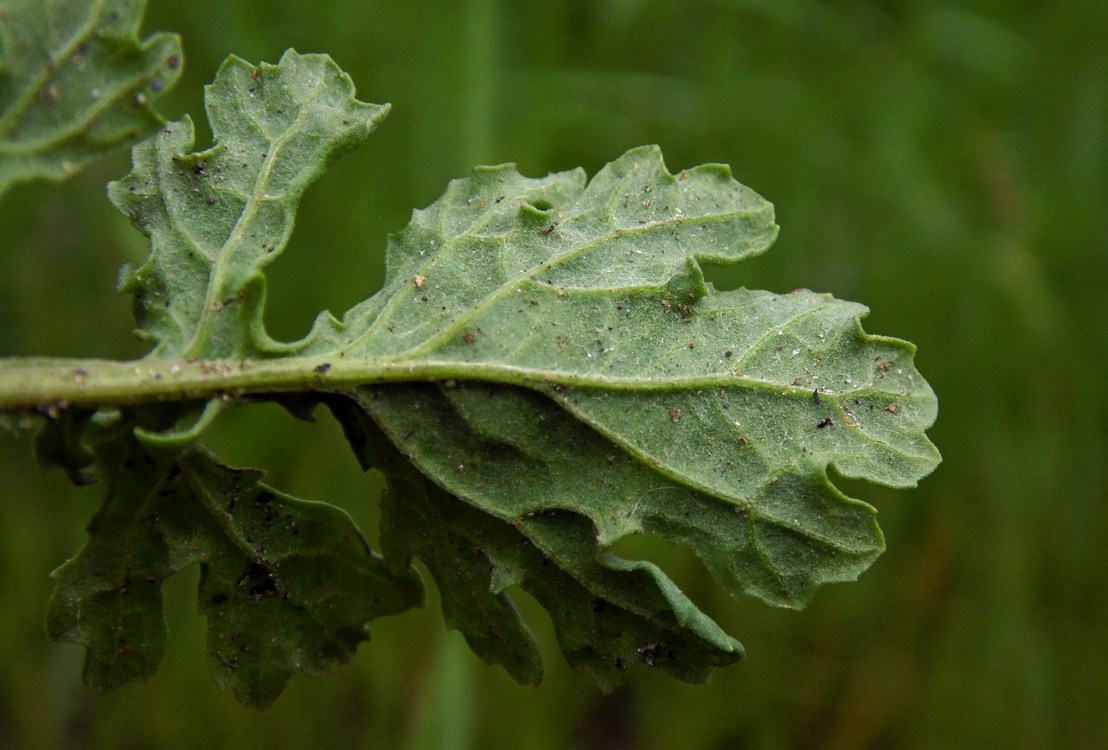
322,367
815,397
825,422
258,581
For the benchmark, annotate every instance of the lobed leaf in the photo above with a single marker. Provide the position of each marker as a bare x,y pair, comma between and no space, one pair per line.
285,584
545,372
609,613
75,83
708,418
217,217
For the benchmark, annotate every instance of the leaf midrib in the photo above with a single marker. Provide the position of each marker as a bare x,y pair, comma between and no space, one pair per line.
26,384
220,263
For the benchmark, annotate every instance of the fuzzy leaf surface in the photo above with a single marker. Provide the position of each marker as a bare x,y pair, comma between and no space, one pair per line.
76,82
217,217
710,418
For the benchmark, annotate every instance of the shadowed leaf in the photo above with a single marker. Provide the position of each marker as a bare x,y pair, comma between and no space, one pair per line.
286,584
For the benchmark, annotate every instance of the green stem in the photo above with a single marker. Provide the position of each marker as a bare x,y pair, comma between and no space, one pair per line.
35,384
42,384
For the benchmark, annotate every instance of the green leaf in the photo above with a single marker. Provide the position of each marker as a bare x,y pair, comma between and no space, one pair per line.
75,83
609,613
710,398
216,218
419,519
285,584
544,373
500,243
655,404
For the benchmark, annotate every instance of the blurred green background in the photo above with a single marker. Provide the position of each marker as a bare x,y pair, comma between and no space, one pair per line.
944,162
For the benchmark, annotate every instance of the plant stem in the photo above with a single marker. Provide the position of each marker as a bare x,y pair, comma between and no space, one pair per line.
36,384
42,384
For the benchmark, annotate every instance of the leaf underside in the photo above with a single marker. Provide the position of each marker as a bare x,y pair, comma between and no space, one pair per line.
75,83
574,381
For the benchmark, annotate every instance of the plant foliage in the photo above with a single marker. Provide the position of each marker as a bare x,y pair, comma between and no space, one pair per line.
75,83
544,372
